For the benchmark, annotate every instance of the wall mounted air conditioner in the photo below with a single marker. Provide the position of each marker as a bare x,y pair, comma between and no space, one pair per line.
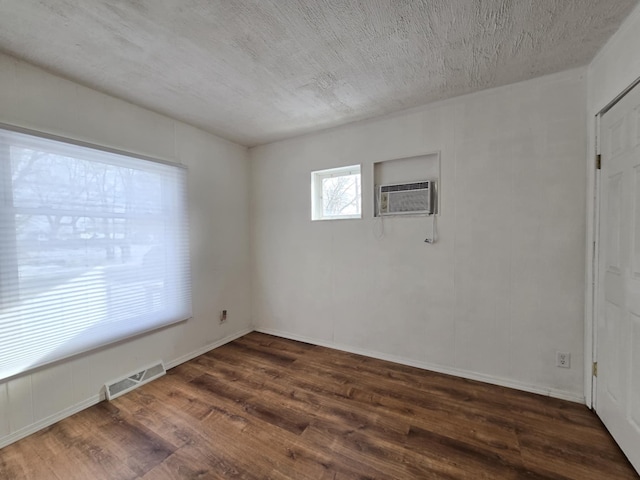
417,198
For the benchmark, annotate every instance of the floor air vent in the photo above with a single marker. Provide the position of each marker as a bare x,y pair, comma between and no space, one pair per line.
123,385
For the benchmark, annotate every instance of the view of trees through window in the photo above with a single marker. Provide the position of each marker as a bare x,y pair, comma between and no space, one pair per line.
341,195
72,215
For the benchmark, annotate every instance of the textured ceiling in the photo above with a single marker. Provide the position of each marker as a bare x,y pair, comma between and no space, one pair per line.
255,71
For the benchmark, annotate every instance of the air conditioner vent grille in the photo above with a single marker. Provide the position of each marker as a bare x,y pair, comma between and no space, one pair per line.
402,187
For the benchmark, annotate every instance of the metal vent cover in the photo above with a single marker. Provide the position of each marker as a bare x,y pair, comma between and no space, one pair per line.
123,385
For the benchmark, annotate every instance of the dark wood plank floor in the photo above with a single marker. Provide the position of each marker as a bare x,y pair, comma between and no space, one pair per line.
263,407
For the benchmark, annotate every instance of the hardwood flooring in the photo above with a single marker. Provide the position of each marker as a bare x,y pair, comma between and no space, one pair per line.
263,407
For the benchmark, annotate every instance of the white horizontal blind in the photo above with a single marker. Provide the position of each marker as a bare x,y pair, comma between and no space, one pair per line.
93,249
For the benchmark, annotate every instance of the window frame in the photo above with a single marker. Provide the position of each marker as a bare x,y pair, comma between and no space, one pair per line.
317,177
182,310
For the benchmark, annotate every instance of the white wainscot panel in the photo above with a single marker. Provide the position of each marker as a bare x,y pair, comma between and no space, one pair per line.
20,400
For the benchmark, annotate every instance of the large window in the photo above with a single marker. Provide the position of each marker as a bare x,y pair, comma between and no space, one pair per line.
93,249
336,193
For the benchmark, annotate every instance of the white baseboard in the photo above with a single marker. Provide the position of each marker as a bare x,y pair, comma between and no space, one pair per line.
207,348
503,382
46,422
93,400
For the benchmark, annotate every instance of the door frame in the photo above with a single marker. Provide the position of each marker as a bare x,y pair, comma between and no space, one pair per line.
593,249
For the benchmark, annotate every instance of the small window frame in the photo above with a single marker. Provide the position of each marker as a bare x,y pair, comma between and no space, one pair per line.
317,177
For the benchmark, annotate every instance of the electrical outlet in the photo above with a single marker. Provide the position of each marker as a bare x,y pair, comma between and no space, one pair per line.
223,316
563,359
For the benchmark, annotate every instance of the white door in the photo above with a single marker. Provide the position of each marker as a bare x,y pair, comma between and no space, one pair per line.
618,324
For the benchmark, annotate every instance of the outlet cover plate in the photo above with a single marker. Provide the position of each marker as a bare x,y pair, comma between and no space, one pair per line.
563,359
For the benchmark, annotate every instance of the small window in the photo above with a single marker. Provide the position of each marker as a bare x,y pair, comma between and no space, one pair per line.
336,193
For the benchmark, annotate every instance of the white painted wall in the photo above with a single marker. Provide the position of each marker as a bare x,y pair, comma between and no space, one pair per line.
615,67
219,213
501,291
